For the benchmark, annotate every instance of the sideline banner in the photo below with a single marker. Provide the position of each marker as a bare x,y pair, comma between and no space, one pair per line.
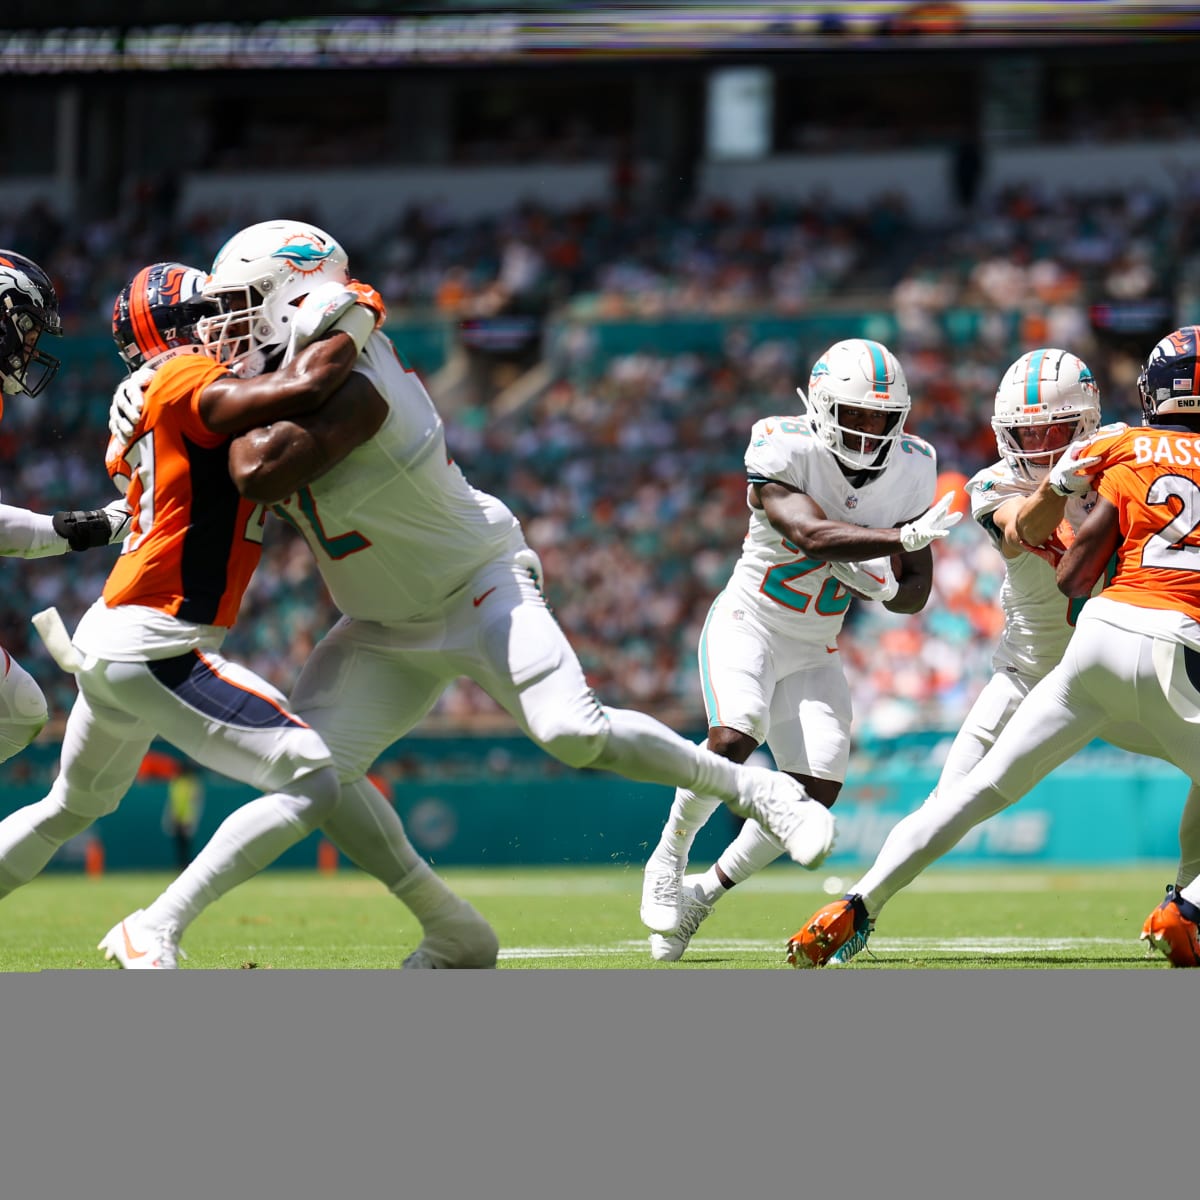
1075,816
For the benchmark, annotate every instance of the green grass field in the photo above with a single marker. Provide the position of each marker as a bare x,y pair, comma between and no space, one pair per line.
586,917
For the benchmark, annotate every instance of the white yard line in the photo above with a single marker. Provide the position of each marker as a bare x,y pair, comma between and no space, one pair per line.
879,946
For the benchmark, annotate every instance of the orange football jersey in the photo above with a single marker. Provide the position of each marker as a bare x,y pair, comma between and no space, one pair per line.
194,541
1152,477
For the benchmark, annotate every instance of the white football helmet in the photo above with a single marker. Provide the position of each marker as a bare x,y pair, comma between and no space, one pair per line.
257,279
1044,388
857,373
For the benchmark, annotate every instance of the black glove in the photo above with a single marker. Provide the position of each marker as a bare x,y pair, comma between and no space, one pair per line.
84,530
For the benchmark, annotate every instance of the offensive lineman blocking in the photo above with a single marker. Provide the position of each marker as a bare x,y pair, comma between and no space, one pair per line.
146,654
436,581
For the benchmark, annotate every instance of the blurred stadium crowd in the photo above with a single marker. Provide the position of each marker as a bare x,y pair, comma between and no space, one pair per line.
627,468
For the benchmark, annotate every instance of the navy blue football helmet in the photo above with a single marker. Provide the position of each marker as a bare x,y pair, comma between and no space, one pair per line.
28,309
157,311
1170,381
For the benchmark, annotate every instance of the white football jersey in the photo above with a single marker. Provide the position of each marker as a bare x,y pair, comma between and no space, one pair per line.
795,595
395,526
1038,618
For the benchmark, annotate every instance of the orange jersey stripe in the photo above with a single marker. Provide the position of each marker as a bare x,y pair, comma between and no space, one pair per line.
243,686
192,546
1152,477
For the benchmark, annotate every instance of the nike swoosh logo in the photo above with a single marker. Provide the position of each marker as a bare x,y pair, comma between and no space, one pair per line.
872,575
831,649
769,428
129,950
480,599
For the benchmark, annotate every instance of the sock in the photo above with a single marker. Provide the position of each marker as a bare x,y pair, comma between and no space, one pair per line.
688,815
368,830
1189,839
428,898
709,886
249,839
752,849
920,839
641,748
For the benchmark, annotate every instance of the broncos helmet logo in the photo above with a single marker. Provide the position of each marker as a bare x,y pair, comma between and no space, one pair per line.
171,286
10,278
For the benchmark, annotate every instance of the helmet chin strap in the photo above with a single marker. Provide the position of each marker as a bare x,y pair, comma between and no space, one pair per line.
859,475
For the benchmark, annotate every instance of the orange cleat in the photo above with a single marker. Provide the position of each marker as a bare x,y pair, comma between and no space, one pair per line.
827,931
1174,928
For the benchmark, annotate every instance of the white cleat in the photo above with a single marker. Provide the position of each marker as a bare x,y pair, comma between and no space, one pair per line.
662,893
462,941
670,948
137,945
781,806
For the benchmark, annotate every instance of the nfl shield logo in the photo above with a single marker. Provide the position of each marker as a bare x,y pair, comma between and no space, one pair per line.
851,501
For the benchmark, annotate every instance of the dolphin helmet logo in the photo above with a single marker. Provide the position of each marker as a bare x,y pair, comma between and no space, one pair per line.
304,253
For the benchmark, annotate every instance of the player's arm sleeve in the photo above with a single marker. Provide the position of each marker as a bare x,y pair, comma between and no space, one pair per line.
267,465
25,534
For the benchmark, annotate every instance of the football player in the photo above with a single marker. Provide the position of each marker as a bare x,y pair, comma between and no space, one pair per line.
1130,673
839,506
436,581
1047,399
28,312
147,655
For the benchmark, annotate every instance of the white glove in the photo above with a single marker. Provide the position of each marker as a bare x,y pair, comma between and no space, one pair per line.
126,408
330,305
119,517
930,526
85,529
873,579
1072,475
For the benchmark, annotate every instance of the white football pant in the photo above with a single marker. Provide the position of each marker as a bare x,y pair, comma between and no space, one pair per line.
1107,676
218,713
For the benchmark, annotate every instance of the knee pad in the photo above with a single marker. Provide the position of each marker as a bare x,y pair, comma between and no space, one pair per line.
23,710
90,802
576,744
314,798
